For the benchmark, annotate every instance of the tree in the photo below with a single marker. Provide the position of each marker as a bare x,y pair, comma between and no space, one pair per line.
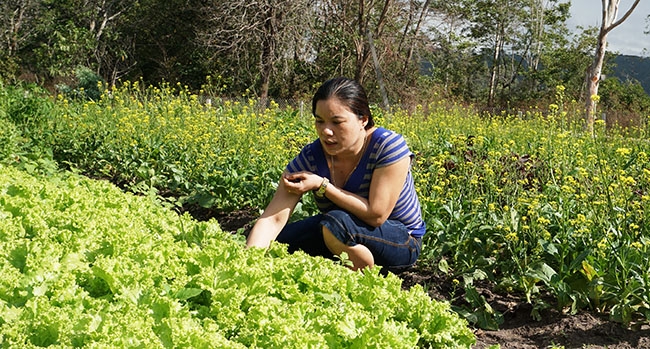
112,52
255,35
346,32
564,64
17,23
405,56
608,23
157,41
543,30
493,49
451,61
61,36
495,25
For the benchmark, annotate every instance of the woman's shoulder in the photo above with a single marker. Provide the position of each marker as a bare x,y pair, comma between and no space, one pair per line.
385,136
313,152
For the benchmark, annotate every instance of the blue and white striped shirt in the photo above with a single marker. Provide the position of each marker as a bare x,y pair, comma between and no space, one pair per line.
385,148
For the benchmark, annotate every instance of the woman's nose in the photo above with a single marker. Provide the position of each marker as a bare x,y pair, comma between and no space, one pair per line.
327,131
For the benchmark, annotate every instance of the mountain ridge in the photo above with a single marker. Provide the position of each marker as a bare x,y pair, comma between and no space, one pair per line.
627,67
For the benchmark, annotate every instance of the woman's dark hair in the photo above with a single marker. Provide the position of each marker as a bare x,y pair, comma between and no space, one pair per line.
349,92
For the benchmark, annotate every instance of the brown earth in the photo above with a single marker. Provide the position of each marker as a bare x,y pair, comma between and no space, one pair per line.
585,330
521,331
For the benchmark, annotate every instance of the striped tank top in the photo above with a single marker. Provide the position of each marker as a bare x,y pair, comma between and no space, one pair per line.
384,148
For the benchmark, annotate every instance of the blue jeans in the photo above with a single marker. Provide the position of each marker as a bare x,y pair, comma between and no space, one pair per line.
391,244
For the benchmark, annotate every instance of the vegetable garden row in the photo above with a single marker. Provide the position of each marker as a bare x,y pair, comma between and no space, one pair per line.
85,265
530,204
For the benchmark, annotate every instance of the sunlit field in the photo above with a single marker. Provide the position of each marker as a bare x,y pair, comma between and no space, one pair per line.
528,202
84,264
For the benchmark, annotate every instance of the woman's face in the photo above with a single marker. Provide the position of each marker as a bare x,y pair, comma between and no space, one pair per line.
341,132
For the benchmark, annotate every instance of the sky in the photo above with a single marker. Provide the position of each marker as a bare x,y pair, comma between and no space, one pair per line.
628,38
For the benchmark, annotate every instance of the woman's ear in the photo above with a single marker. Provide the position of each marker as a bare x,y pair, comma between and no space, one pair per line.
364,120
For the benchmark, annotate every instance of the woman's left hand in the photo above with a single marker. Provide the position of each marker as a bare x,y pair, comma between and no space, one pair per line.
299,183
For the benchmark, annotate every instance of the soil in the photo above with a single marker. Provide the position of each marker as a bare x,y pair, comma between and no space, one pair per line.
554,329
520,330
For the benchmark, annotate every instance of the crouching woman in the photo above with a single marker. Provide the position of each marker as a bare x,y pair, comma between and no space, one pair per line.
360,175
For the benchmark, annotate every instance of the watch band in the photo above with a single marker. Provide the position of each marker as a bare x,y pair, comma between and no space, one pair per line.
323,186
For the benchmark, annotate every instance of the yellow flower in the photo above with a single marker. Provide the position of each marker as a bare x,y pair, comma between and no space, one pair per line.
628,180
602,244
623,151
512,237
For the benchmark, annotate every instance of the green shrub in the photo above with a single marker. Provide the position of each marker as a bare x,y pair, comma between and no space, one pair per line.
26,106
88,85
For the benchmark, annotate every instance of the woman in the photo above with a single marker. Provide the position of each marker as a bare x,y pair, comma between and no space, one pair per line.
360,176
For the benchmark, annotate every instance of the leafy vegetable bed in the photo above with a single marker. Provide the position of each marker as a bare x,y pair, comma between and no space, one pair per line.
83,264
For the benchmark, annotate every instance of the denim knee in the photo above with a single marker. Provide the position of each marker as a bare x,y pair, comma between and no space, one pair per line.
339,223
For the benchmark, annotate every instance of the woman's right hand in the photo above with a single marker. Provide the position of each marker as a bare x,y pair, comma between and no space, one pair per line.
299,183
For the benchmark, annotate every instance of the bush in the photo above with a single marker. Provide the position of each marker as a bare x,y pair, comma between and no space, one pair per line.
88,85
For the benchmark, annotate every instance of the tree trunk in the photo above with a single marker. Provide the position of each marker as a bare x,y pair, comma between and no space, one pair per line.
610,11
16,19
268,53
409,56
361,44
593,81
380,78
498,44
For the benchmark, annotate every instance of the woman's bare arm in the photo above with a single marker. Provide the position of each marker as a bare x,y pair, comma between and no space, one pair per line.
385,187
275,217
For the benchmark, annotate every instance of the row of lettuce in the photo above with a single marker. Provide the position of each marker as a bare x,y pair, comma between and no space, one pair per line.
529,203
84,264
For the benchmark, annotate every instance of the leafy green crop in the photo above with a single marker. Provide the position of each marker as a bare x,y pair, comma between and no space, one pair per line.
83,264
530,203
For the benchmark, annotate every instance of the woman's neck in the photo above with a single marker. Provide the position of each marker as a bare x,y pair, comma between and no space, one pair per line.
341,168
354,155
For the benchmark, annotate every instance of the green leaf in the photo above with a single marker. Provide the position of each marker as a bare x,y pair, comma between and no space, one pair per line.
580,259
187,293
549,247
543,272
443,266
588,271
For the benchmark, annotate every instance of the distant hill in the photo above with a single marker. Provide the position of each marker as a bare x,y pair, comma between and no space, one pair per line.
633,67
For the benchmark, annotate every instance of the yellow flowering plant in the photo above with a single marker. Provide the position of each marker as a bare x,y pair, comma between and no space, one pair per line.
527,203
